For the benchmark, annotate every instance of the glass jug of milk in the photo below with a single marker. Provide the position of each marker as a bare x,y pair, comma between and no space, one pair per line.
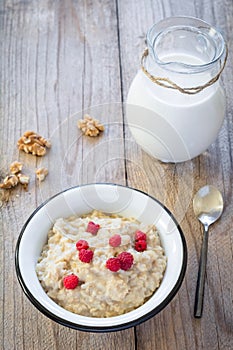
176,105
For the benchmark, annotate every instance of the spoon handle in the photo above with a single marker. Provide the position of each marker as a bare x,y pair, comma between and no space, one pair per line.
198,306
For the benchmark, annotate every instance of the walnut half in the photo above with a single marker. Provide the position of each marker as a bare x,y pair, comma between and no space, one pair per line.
90,126
10,181
31,142
24,180
41,173
16,167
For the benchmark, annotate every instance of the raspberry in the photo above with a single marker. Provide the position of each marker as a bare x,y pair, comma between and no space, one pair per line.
70,282
115,240
82,244
92,227
140,246
113,264
140,236
126,260
85,255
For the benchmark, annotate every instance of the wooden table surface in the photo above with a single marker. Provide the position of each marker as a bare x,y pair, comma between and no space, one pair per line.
58,60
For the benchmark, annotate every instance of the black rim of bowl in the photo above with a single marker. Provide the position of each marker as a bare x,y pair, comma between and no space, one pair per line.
101,329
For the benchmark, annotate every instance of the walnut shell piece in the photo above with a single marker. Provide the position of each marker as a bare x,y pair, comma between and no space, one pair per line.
31,142
10,181
41,173
16,167
24,180
90,126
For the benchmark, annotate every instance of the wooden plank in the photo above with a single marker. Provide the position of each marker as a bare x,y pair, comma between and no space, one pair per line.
31,42
58,60
175,185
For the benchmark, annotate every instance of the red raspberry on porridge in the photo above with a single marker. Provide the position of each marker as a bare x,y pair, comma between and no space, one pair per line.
82,244
93,228
85,255
140,236
113,264
126,260
115,240
70,282
140,245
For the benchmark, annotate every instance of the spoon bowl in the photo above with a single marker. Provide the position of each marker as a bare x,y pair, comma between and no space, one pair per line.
208,207
208,204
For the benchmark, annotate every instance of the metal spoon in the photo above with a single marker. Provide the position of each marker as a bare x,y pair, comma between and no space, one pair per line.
208,207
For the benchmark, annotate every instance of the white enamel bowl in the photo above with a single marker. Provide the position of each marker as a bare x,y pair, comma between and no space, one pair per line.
109,198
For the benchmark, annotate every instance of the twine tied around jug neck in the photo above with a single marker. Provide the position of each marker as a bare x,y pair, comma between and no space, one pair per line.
167,83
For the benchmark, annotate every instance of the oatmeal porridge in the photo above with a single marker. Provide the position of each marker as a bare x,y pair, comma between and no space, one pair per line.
101,265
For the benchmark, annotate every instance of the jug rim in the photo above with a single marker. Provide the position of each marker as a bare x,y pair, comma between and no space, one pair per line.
189,23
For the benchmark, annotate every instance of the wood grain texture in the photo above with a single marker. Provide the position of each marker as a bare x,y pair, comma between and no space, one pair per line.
60,59
175,185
